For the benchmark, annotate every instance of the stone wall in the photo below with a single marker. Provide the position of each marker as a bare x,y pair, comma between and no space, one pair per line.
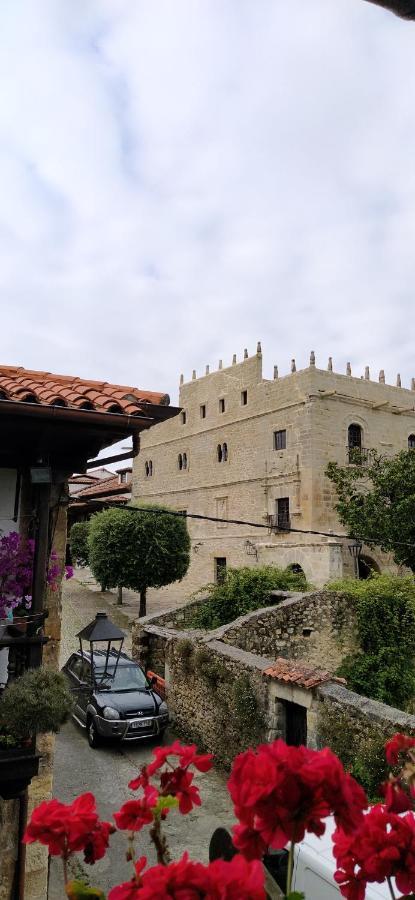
317,627
220,699
363,715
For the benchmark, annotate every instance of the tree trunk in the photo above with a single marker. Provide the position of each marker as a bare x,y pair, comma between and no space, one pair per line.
119,595
143,603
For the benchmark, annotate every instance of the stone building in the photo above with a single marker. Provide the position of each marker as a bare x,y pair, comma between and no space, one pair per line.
255,449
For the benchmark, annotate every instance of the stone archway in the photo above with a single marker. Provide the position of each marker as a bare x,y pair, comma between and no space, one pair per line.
366,567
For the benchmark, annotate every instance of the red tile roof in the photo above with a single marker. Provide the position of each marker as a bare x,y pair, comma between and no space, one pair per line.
103,486
26,386
299,673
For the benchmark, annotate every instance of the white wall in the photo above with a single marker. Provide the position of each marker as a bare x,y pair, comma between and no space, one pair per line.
8,479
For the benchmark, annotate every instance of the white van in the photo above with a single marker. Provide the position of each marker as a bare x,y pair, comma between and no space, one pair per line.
314,868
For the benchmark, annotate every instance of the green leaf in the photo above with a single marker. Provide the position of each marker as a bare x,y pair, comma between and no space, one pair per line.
77,890
295,895
167,802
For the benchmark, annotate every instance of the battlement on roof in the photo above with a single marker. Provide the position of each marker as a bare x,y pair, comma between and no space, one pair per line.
237,366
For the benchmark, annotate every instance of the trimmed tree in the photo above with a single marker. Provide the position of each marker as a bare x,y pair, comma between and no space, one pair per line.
138,548
376,503
78,540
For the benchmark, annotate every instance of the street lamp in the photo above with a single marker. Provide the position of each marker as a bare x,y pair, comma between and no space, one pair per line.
355,551
102,631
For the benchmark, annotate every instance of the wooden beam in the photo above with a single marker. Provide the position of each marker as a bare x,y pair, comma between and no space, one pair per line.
96,463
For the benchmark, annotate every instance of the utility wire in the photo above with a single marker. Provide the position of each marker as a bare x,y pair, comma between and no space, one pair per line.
270,527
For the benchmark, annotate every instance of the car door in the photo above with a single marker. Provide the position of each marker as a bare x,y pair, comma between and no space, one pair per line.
85,689
75,672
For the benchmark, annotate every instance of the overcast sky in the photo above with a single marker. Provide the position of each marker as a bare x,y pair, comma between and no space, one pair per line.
180,178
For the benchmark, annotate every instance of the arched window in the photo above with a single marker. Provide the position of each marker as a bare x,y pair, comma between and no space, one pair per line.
354,436
180,461
224,452
150,465
219,452
148,468
411,442
185,460
354,444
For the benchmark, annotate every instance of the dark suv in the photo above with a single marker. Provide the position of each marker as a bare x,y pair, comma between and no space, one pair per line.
114,701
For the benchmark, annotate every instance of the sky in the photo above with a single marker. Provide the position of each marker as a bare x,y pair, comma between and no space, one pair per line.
182,178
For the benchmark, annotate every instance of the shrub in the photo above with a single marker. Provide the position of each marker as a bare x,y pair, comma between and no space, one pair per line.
78,540
362,753
37,702
384,667
242,591
138,548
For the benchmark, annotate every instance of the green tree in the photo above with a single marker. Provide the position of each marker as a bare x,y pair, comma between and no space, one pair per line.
138,548
242,591
384,666
78,540
376,503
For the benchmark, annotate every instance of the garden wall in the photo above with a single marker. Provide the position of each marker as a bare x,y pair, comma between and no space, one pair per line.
317,627
220,698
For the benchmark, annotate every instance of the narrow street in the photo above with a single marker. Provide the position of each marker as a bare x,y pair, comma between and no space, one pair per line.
107,770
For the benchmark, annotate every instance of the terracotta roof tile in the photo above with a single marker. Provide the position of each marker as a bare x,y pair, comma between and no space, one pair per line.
103,486
48,389
299,673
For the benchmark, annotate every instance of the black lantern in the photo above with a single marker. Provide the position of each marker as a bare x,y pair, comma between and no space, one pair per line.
355,551
102,631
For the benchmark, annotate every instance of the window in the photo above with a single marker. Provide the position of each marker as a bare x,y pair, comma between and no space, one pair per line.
283,512
222,405
354,437
220,569
411,442
280,440
182,461
222,452
148,468
203,411
244,398
183,417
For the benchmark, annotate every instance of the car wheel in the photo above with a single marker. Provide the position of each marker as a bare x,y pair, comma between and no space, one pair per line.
93,736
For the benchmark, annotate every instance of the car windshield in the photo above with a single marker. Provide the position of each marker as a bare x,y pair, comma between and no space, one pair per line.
125,678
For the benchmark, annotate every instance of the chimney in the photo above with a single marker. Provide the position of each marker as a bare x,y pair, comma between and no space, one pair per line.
398,381
234,359
348,369
367,373
330,364
245,353
382,376
293,366
207,370
312,358
220,363
182,379
275,372
194,375
258,347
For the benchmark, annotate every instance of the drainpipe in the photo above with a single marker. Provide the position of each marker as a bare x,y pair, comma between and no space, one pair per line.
19,887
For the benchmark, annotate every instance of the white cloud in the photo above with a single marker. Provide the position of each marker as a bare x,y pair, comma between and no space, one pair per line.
181,179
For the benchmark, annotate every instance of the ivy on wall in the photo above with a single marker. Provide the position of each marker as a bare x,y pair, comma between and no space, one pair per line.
384,666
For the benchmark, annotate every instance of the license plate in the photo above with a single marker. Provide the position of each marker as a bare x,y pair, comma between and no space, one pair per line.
143,723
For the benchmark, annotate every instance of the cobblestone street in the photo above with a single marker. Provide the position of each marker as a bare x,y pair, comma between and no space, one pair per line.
107,770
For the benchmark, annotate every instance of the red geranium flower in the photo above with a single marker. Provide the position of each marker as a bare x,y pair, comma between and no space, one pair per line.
128,890
382,847
187,880
396,745
64,828
280,792
98,841
178,783
134,814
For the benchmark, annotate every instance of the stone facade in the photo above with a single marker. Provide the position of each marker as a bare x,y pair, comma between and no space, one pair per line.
220,697
218,458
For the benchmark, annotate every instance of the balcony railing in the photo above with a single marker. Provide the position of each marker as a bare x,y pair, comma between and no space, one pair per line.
278,523
359,456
